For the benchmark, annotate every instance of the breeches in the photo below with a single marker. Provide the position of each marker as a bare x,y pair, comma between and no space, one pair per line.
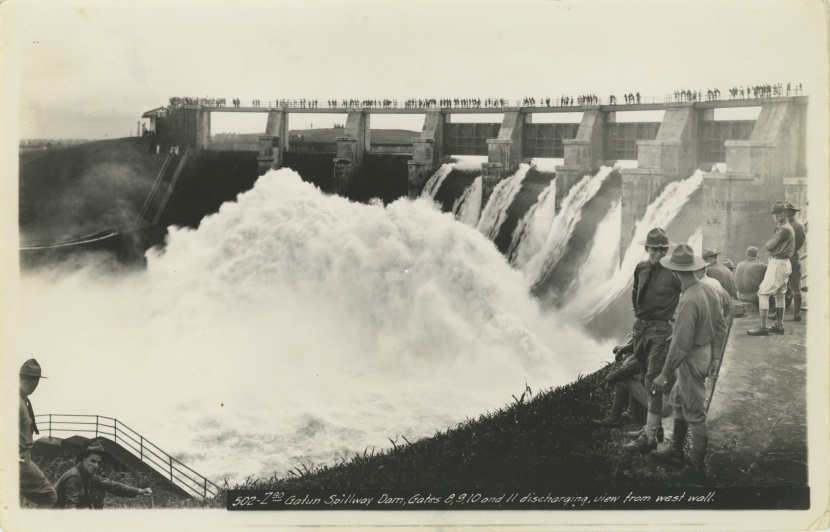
774,283
689,393
35,486
650,348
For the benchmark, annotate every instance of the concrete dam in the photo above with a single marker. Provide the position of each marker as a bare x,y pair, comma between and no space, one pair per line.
764,158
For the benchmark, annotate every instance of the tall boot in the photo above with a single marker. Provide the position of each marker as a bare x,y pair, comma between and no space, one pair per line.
762,330
672,454
695,471
613,419
797,306
778,328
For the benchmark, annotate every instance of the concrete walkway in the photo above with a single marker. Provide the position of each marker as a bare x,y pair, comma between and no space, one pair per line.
758,413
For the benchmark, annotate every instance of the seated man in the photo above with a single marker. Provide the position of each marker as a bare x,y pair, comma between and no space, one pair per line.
81,487
719,272
748,276
628,390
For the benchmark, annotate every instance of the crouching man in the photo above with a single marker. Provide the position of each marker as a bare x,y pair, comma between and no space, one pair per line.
694,353
81,487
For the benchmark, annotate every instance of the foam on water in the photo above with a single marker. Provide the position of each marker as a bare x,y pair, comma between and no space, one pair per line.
434,183
468,207
294,327
533,229
495,212
563,225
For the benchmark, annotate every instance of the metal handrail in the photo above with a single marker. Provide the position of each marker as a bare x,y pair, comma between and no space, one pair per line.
163,462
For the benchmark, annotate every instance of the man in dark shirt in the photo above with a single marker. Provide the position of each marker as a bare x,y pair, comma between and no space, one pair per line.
780,249
795,261
81,487
719,272
33,483
748,276
654,297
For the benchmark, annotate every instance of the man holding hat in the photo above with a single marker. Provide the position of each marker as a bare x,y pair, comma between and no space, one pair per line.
780,249
81,487
33,483
719,272
795,261
695,351
654,297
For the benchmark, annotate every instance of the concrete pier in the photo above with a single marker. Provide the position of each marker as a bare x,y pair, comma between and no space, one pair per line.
736,204
277,127
427,153
351,147
583,154
504,154
671,156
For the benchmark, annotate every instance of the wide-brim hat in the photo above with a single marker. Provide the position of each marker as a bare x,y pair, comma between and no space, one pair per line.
728,264
777,207
709,252
657,238
683,259
94,447
790,207
31,368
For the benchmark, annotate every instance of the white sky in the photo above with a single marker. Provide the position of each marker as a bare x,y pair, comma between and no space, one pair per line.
90,69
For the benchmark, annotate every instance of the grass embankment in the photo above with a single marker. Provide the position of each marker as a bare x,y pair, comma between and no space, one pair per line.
547,441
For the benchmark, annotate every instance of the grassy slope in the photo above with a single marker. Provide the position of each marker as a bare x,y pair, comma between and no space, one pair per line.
548,441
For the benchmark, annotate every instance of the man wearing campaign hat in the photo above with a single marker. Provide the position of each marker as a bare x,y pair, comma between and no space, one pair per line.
719,272
794,281
654,297
780,249
33,483
82,487
694,353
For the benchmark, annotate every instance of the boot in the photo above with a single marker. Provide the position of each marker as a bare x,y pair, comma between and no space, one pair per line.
672,454
647,441
797,306
778,328
635,434
694,472
762,330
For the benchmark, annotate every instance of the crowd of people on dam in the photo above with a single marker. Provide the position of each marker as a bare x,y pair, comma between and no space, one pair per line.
682,305
631,98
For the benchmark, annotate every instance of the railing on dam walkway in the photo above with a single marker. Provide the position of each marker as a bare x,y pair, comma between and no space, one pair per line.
139,446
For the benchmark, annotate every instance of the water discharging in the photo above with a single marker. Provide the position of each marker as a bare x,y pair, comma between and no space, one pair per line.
298,327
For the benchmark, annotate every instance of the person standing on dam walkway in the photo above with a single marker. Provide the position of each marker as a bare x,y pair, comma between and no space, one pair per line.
780,249
795,261
654,297
694,353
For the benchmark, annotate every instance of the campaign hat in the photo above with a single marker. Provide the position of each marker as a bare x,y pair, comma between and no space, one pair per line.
709,252
683,259
94,447
728,263
777,207
657,238
790,207
31,368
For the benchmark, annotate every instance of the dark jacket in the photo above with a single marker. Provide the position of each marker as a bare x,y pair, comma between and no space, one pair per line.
78,489
655,293
721,274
